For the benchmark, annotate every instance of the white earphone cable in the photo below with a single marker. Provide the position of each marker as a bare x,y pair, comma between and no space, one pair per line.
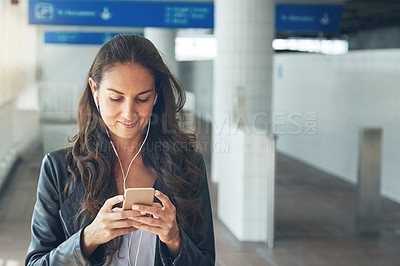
134,157
124,177
127,172
137,252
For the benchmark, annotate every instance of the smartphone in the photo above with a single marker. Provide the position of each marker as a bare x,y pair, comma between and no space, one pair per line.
144,196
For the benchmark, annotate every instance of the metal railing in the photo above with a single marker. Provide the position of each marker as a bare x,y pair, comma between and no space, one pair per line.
7,143
59,100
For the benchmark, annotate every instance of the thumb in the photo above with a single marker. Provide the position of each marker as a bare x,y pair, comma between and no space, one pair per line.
112,201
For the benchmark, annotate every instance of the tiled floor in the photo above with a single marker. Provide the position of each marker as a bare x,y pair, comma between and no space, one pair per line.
315,216
16,206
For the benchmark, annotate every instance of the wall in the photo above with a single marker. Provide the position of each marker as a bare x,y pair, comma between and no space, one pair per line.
64,68
63,72
197,77
345,93
19,112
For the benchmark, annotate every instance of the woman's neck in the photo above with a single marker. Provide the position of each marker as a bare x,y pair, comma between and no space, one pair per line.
126,148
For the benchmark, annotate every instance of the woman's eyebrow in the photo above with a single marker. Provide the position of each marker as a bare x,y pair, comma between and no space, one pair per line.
140,93
110,89
144,92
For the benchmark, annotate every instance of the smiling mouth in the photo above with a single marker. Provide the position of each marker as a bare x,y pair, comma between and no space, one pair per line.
128,123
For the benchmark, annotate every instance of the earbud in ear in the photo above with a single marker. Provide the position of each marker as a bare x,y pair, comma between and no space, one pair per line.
95,100
155,100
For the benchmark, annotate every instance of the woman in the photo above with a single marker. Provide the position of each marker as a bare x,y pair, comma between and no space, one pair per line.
128,137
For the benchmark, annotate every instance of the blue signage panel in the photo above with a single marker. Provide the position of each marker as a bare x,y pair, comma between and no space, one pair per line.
293,17
70,37
122,13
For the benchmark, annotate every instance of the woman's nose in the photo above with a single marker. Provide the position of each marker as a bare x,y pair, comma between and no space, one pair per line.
129,110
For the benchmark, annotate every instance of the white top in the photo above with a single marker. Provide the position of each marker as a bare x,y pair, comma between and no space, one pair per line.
146,252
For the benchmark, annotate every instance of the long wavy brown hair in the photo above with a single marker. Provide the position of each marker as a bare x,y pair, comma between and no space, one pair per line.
169,153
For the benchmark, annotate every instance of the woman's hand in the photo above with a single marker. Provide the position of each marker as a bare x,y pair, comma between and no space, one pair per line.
108,224
163,223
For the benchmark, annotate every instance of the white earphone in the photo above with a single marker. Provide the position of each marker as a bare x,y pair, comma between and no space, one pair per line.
125,175
95,100
155,99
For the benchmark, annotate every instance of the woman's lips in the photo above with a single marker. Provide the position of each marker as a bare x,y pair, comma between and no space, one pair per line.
128,124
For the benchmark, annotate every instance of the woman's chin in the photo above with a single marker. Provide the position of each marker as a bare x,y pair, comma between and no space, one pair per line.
128,135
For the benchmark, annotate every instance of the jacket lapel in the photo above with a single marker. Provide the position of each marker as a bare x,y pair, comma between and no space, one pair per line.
70,207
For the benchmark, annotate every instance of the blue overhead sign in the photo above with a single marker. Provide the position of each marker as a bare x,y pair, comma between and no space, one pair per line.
71,37
122,13
306,18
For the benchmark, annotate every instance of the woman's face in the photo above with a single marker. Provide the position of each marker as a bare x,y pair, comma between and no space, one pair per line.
125,99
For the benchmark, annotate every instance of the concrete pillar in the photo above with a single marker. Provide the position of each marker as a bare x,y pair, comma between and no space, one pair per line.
241,109
369,179
164,40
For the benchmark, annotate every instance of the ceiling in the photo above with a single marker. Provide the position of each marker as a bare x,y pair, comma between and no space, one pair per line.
366,15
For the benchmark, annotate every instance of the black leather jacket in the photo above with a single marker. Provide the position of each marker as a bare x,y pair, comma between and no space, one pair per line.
56,238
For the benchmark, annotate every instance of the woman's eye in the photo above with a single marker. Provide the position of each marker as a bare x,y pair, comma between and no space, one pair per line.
142,100
115,99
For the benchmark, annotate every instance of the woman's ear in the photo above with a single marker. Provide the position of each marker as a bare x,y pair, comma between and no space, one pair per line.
93,88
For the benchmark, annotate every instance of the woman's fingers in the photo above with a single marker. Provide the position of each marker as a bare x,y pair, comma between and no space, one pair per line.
118,213
123,231
166,202
159,206
148,221
152,229
163,223
144,209
125,223
117,209
112,222
108,205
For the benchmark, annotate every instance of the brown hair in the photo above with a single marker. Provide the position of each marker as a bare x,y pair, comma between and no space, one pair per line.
168,153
